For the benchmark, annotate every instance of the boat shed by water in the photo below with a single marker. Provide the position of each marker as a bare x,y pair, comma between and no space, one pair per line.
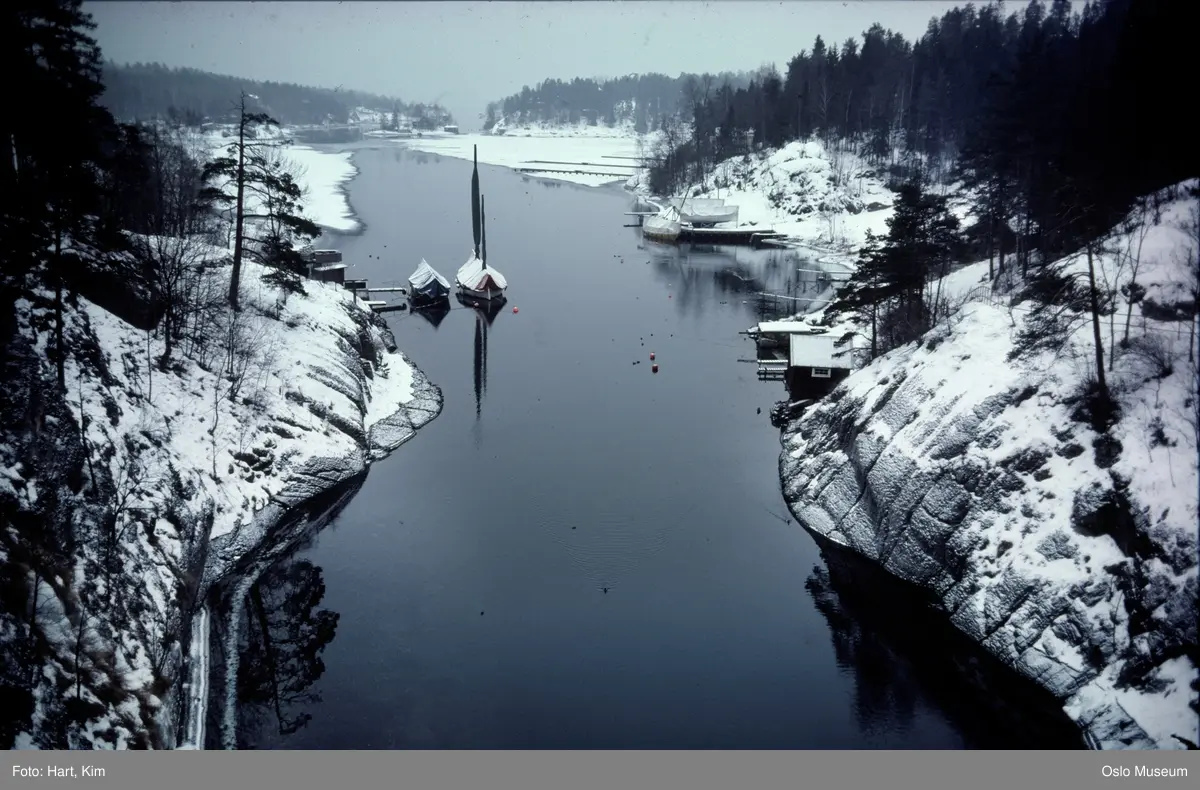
325,265
815,365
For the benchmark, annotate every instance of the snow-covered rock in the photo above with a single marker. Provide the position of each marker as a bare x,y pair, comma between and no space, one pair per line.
821,196
969,466
190,467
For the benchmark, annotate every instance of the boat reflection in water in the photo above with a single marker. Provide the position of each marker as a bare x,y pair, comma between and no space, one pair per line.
434,313
486,311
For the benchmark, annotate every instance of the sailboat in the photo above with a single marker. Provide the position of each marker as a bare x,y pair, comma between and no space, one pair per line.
476,280
427,286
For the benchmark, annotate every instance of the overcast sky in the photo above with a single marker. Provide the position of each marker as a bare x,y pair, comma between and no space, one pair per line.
467,54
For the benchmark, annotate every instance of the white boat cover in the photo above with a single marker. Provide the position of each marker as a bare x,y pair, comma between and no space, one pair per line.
705,210
474,276
665,222
424,275
692,205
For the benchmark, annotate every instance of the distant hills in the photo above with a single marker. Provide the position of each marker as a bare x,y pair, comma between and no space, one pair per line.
643,99
152,90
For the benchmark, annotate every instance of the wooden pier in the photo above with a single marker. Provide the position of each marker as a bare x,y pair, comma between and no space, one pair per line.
363,290
753,237
536,170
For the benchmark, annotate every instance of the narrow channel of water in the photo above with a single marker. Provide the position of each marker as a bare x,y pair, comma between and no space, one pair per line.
579,552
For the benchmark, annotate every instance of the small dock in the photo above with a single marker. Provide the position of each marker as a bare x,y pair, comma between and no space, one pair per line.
772,369
363,290
613,170
536,170
751,236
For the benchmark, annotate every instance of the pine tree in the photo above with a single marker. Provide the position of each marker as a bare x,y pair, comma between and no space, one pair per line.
254,167
888,289
51,191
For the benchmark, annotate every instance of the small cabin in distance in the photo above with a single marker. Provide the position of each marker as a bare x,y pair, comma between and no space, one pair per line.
325,266
815,365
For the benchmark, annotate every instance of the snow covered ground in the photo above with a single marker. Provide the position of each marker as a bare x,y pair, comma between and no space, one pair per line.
522,147
966,464
822,197
291,397
322,175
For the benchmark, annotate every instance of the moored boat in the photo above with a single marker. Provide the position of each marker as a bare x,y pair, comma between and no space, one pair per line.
705,212
475,278
427,286
663,226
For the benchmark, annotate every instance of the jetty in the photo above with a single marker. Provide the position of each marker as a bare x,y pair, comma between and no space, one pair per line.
327,266
614,170
744,235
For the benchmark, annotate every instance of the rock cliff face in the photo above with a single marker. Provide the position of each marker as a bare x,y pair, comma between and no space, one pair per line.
128,495
1068,554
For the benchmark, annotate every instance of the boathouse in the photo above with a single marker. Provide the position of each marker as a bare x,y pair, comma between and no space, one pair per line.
325,266
815,365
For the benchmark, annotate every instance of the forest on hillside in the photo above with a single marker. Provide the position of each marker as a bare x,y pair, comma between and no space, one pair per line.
152,90
644,99
1037,111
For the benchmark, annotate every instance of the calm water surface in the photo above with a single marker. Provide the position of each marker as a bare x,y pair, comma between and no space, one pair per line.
459,600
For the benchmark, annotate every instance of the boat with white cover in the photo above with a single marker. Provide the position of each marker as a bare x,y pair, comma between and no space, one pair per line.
427,286
663,226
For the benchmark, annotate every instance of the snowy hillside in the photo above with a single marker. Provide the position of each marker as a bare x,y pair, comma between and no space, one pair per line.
820,196
581,129
969,465
171,474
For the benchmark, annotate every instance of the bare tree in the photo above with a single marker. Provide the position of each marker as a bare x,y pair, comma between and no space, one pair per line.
172,261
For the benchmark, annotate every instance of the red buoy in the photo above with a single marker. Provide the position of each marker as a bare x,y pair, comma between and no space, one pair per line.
651,356
654,367
515,310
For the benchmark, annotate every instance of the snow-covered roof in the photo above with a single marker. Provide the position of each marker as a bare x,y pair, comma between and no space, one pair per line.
698,204
329,267
785,328
424,275
473,275
816,351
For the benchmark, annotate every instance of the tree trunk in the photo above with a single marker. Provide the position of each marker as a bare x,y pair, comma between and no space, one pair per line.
79,633
239,216
874,325
992,251
1101,379
1192,340
149,370
1128,314
60,351
37,586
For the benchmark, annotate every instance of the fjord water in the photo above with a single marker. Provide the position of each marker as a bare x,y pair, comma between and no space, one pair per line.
578,552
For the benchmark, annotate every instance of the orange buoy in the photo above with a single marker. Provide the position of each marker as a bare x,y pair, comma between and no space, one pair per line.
654,367
651,356
515,310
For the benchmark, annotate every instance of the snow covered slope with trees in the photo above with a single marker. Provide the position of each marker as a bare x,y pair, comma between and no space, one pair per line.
162,476
823,195
981,463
